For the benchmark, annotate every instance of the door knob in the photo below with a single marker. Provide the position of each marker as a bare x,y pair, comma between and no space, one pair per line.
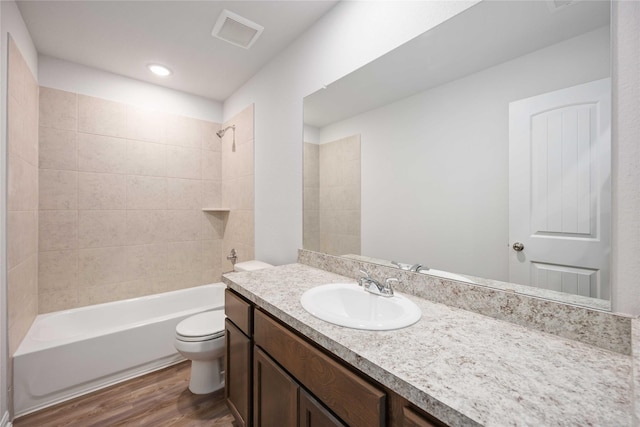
517,246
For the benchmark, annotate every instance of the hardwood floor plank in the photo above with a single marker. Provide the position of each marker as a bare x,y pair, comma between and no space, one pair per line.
158,399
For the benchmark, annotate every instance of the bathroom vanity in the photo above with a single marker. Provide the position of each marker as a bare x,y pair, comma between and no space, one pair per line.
453,367
297,383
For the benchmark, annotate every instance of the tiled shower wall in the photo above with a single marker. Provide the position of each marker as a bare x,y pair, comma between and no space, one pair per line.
22,218
121,196
332,203
238,186
311,198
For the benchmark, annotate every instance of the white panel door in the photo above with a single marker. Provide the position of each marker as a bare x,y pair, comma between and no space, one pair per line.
560,190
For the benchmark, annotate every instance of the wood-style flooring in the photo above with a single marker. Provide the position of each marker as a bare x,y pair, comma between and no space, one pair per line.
161,398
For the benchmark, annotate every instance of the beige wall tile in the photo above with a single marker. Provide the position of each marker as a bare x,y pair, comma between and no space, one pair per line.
57,230
311,165
17,72
57,270
58,149
58,109
213,225
212,276
22,300
237,163
211,165
240,228
102,117
22,185
101,266
229,194
210,140
98,153
212,254
106,293
244,125
184,225
101,191
212,194
146,261
311,198
58,189
32,118
51,301
146,158
184,131
146,125
184,162
99,229
146,226
184,193
22,236
244,155
179,280
146,192
22,286
184,256
244,191
22,139
137,226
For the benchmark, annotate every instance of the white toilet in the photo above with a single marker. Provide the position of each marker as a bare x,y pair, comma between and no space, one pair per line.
200,338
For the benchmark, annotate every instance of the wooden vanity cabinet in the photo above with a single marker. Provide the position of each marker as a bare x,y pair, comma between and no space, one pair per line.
238,357
276,377
275,393
312,413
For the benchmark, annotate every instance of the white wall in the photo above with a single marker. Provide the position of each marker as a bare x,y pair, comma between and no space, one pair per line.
347,37
11,23
72,77
435,165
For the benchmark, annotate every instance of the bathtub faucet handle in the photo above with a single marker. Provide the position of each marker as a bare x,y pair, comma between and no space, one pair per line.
233,256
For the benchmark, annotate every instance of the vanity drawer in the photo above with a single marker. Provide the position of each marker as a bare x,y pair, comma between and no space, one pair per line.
239,311
350,397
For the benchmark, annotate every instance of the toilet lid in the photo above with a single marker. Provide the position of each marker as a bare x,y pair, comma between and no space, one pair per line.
203,326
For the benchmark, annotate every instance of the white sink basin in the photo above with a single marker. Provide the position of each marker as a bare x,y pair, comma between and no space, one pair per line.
347,304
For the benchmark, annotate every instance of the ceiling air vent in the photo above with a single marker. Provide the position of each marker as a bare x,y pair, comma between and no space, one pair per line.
555,5
236,30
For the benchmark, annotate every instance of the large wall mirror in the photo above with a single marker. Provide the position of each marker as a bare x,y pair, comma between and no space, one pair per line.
478,151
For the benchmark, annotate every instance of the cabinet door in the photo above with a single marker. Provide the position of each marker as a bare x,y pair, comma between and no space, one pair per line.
237,387
313,414
275,394
412,419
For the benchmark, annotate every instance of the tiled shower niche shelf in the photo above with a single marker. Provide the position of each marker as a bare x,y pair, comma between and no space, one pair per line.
216,210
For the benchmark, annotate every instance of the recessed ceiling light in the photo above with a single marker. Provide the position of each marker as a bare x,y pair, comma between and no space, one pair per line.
159,70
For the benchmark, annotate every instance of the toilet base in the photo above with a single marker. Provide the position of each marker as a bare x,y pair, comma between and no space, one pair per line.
206,376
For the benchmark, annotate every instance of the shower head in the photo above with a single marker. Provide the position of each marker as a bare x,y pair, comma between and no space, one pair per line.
221,132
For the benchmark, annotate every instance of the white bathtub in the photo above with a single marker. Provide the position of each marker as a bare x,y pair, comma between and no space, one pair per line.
69,353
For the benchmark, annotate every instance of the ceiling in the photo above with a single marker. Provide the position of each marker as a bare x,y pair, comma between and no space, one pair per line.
123,37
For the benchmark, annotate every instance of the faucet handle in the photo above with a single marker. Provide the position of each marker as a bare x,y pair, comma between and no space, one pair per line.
388,289
362,279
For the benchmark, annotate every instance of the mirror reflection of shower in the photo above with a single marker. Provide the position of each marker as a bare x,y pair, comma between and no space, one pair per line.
221,133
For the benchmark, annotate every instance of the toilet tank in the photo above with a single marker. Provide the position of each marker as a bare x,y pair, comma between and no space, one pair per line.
251,265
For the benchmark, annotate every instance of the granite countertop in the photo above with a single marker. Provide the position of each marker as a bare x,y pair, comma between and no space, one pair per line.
462,367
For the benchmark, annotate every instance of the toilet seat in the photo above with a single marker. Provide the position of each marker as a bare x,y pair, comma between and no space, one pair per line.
201,327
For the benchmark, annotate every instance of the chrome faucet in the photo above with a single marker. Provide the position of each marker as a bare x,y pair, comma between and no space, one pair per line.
414,267
371,285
